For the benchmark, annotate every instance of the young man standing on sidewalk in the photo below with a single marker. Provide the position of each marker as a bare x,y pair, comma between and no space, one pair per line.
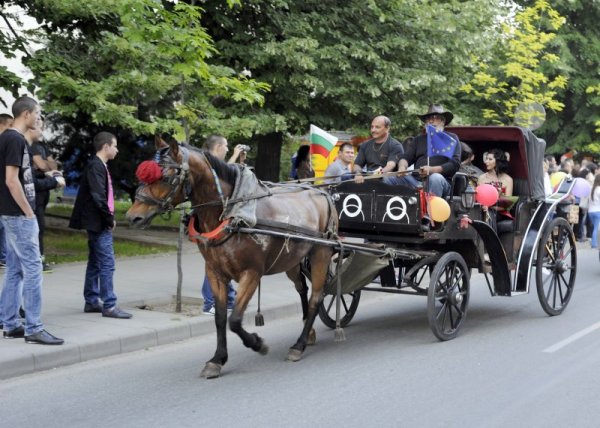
17,202
6,121
94,211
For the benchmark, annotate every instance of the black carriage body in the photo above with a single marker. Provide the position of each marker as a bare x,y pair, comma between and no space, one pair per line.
393,215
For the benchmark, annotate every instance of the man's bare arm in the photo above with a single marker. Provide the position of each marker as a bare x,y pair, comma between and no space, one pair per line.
16,190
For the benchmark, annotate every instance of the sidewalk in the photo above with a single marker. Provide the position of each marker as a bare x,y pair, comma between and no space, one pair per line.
138,281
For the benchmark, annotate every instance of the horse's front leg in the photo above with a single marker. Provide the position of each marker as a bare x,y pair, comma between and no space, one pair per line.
218,285
248,282
319,263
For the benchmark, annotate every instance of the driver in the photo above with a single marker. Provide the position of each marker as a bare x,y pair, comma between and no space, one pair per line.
380,153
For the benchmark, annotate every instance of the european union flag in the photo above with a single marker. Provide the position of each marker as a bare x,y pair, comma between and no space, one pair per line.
439,143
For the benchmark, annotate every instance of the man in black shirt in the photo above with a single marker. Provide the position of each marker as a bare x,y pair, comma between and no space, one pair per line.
380,153
23,277
437,169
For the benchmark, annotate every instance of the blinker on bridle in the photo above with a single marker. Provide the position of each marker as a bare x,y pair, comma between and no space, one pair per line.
173,181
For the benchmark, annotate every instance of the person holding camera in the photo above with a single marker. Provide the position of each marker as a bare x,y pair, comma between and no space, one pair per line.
217,146
240,153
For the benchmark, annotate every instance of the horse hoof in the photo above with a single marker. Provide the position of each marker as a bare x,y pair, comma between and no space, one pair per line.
211,371
312,337
294,355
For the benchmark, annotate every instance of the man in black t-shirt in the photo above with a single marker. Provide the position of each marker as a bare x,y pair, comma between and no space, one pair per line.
17,204
45,176
436,171
380,153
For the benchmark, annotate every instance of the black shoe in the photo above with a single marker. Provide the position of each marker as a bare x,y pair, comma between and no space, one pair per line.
47,268
92,308
43,338
116,312
16,333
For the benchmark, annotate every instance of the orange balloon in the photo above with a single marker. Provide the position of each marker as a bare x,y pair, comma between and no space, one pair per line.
440,210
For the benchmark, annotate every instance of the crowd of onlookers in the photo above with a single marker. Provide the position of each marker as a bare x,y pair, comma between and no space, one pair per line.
589,206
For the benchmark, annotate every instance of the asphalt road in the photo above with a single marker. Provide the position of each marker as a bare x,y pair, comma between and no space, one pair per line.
512,365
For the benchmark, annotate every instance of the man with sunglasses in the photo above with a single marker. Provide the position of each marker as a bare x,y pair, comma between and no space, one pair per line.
437,169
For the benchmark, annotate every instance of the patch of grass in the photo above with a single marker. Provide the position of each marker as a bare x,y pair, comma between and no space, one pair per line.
64,247
121,207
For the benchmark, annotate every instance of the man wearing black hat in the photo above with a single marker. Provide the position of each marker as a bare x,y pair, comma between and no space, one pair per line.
438,169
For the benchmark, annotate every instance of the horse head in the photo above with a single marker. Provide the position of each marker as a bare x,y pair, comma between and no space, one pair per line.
163,195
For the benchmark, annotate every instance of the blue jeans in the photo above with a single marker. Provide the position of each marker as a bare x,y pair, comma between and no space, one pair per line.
2,244
23,275
209,299
100,269
595,217
437,183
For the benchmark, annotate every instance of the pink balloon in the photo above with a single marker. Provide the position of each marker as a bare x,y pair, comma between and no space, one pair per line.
486,195
581,188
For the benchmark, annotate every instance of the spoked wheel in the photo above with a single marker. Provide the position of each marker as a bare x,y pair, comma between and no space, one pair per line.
448,296
556,266
349,303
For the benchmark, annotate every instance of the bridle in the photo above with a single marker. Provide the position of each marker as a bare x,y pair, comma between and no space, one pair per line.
174,182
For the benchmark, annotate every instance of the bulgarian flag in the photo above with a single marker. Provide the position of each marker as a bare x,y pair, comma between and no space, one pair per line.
321,142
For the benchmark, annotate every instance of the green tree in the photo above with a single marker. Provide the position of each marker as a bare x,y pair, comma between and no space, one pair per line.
524,70
578,124
10,45
338,65
137,67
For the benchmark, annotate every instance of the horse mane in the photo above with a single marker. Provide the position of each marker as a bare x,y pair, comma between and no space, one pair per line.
224,170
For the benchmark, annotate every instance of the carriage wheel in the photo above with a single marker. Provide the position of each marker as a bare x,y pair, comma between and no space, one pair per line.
448,296
349,304
556,266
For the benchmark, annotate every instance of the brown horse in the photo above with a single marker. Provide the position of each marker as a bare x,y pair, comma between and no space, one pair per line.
197,176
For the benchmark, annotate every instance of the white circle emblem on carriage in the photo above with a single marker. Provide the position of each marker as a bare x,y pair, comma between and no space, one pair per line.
356,206
391,210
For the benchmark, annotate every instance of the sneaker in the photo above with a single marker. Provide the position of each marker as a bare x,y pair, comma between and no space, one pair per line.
211,311
47,268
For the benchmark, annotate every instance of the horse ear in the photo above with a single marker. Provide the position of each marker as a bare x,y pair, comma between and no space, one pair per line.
174,148
159,143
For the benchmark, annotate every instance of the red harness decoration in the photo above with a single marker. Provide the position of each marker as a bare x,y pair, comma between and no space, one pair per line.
148,172
213,235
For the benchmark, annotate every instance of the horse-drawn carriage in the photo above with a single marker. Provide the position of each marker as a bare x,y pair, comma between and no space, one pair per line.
436,260
246,229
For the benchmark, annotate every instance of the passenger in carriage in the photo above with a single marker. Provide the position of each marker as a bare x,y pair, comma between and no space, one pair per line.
438,169
466,164
496,163
341,167
380,153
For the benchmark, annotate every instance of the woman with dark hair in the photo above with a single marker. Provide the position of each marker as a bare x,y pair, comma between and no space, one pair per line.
302,163
496,164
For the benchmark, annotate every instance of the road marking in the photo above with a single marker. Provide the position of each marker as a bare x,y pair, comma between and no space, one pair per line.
572,338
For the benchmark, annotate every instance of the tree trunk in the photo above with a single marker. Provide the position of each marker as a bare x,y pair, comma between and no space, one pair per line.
268,156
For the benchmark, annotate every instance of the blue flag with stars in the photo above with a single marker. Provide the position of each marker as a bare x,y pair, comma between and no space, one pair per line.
439,143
